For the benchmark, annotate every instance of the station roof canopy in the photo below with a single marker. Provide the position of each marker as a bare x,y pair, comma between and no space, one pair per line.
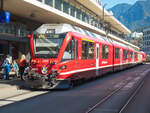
41,12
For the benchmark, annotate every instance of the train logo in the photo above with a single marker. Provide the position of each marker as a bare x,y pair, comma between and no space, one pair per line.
44,70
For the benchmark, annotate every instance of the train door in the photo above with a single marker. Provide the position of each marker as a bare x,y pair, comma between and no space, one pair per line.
87,62
97,59
121,59
76,54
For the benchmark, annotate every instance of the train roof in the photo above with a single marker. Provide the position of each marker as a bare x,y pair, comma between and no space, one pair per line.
62,28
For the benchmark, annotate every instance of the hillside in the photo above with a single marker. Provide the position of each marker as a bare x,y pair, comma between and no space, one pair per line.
133,16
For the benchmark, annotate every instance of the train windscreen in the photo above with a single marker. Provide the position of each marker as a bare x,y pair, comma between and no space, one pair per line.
48,47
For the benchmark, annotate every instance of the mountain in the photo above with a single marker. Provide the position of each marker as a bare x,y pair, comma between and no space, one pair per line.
122,9
133,16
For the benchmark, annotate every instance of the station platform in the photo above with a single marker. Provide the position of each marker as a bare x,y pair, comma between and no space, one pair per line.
8,86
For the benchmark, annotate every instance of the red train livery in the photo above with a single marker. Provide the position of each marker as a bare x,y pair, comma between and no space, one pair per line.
62,54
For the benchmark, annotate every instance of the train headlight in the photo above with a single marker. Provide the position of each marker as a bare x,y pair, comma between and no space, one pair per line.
44,70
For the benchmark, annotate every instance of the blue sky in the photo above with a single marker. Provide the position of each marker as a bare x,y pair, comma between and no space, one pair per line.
111,3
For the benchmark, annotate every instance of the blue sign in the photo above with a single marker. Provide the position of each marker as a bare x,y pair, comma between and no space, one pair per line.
4,17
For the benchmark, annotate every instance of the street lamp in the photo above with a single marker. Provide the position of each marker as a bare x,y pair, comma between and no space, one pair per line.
103,15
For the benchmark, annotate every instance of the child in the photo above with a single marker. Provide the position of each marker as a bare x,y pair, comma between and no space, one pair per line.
15,67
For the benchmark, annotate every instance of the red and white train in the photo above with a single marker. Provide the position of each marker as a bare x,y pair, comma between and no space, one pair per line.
62,54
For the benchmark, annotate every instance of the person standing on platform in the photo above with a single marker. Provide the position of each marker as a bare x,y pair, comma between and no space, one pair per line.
22,65
6,65
15,67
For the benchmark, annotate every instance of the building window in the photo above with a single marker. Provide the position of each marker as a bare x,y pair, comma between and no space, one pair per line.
105,52
87,50
116,53
66,7
78,14
73,10
83,16
58,4
49,2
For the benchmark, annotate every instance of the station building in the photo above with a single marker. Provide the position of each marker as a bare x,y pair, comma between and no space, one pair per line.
27,15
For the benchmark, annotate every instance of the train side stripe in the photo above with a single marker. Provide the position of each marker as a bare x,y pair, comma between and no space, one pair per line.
88,69
82,70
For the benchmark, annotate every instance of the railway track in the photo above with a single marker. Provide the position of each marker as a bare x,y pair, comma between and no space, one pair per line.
123,84
133,95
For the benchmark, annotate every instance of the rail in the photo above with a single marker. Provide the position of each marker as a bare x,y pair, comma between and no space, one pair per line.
116,91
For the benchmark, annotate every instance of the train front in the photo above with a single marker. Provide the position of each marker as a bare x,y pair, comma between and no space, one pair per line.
42,72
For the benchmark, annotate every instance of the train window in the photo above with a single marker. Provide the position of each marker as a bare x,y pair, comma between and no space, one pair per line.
91,50
69,51
116,53
125,54
87,50
105,52
84,49
135,55
131,54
